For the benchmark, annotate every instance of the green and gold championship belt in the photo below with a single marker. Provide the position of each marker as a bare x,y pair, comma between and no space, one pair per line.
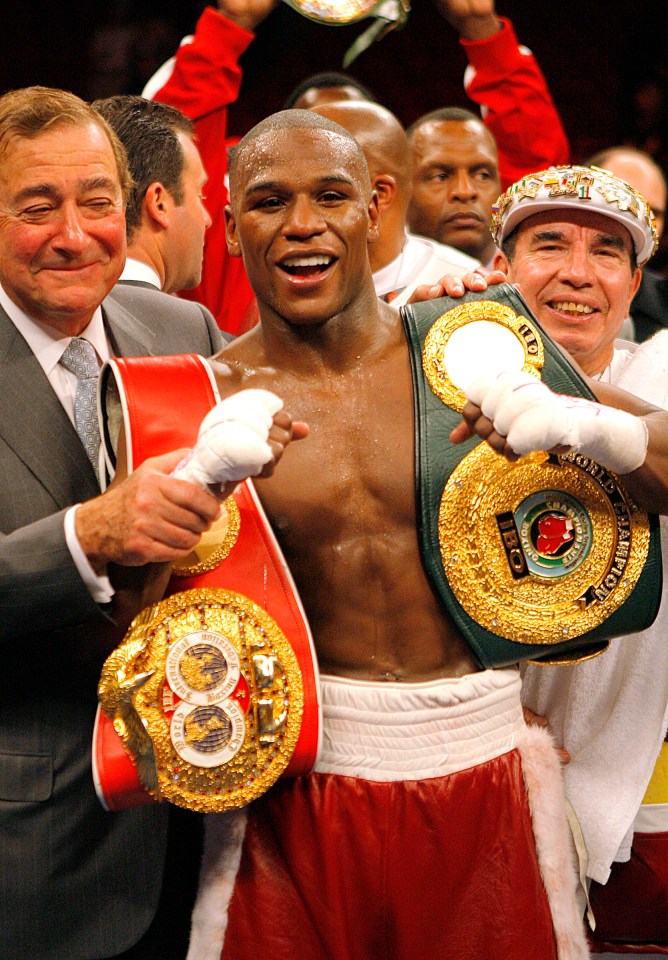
545,558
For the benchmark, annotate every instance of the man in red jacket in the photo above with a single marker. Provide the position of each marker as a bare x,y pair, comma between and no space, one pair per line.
460,163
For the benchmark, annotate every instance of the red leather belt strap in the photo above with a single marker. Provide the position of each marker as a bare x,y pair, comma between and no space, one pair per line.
164,400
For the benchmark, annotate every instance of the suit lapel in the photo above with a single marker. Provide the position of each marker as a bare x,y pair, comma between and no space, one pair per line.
31,416
129,336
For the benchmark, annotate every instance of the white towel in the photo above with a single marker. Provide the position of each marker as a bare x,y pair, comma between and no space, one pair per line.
609,712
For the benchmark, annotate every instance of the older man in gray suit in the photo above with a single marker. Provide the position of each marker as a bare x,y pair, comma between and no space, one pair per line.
76,883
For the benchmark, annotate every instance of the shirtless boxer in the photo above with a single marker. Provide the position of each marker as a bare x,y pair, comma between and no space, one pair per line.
414,831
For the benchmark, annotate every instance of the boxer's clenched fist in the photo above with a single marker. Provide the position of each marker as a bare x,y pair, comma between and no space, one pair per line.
517,414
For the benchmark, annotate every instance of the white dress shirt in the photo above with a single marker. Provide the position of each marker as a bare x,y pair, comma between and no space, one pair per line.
140,271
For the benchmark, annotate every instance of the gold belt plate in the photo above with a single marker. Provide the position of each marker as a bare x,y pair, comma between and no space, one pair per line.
206,694
469,339
335,11
214,545
542,549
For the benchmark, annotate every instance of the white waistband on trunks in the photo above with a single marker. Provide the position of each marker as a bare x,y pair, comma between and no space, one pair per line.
413,731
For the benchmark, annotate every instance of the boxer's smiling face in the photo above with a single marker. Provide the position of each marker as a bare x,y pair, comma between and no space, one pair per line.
302,216
574,268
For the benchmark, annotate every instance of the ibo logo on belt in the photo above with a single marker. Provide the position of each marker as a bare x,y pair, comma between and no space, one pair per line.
548,535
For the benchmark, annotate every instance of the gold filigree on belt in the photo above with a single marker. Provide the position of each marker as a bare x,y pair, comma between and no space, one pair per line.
214,545
207,696
540,550
443,360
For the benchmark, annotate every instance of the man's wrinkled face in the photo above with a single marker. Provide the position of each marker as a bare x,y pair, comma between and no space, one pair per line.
455,184
574,270
62,224
302,214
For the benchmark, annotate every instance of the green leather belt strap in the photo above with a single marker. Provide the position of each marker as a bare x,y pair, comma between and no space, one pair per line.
591,508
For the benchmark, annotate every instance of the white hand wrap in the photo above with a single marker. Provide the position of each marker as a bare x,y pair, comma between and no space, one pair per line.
232,440
532,417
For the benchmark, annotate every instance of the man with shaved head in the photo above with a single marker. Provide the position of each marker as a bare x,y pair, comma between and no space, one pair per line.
417,807
642,172
400,261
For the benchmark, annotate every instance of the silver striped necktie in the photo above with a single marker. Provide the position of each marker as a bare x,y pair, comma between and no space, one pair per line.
81,360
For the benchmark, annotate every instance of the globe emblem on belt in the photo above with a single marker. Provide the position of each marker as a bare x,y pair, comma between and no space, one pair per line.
207,729
203,666
208,726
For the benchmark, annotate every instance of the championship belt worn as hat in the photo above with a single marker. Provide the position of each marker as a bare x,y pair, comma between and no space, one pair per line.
577,188
545,558
213,694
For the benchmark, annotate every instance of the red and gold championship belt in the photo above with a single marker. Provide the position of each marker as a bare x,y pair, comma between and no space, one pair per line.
213,693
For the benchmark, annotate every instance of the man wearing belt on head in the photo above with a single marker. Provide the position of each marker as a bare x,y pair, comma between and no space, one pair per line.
421,748
573,240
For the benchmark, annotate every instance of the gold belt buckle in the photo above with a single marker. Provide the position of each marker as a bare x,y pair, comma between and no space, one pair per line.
540,550
206,694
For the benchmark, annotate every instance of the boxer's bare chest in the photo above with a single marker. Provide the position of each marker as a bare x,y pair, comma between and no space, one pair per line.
357,464
342,503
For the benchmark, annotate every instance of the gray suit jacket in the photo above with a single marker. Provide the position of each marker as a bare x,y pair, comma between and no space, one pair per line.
75,882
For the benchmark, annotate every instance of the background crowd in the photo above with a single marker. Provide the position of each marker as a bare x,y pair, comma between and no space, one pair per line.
606,65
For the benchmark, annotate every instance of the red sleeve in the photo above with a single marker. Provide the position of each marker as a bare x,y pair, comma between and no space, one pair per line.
505,79
205,80
206,74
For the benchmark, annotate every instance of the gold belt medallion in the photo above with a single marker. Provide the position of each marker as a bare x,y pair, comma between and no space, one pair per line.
207,696
468,339
335,11
214,545
539,550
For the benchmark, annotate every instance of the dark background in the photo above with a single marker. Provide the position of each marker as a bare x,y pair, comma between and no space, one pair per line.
602,59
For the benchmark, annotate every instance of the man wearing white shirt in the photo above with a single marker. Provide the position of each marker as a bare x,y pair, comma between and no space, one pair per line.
135,271
574,239
400,261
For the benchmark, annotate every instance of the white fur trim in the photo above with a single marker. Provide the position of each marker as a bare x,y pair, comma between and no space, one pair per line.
223,840
224,835
545,790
